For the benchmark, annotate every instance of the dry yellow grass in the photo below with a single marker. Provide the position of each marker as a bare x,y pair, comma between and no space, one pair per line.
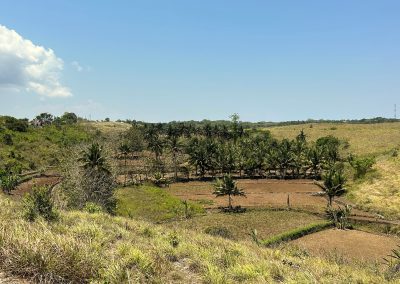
109,127
363,138
380,191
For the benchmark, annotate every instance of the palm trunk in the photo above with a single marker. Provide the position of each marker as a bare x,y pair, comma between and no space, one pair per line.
175,166
126,172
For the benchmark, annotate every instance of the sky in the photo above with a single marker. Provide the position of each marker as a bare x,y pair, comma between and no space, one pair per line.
183,60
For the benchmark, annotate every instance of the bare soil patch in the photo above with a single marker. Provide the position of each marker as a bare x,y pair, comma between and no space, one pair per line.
26,187
349,244
259,193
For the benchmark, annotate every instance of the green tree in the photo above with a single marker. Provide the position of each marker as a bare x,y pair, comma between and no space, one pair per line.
361,165
39,203
315,161
175,147
334,182
93,158
124,150
9,182
97,182
227,187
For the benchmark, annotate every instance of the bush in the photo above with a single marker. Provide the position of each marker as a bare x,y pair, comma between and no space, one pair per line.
8,182
339,216
39,203
12,123
7,139
222,232
361,165
91,207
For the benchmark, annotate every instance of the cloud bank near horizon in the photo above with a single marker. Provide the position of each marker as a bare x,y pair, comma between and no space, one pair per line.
29,67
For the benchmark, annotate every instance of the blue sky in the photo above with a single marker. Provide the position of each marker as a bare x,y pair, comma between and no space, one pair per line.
181,60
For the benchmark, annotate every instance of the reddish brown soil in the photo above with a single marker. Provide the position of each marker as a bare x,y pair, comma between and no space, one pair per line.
25,187
349,244
259,193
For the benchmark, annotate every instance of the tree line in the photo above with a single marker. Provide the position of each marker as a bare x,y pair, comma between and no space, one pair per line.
213,150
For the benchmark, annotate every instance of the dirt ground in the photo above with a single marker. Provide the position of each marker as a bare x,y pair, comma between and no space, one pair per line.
259,193
349,244
25,187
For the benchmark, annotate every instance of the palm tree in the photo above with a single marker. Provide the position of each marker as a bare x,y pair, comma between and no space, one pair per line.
334,181
315,160
175,147
93,158
124,149
284,157
227,186
154,141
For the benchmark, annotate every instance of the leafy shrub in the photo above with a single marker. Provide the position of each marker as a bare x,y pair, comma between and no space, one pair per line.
8,182
12,123
7,139
339,216
361,165
92,207
393,261
174,239
39,203
217,231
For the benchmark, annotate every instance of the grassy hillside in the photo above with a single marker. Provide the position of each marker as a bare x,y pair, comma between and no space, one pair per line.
152,204
363,138
379,191
39,147
99,248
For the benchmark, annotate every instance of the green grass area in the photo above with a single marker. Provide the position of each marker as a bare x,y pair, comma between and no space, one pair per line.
239,225
297,233
40,147
152,204
98,248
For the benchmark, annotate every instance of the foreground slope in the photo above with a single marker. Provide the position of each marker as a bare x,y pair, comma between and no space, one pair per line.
99,248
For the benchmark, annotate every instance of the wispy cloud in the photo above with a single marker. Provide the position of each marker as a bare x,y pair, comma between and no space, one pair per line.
77,66
24,65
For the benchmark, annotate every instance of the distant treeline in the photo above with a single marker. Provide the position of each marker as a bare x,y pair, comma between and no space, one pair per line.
263,124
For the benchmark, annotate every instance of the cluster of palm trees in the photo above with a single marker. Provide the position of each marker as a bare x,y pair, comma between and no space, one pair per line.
215,150
261,155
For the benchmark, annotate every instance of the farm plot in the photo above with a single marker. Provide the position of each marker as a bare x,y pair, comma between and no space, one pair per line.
26,187
259,194
348,244
240,226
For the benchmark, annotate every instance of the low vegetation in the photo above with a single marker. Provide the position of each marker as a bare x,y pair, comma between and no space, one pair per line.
379,190
110,218
296,233
153,204
99,248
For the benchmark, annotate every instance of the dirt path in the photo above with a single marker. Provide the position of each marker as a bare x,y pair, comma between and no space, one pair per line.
349,244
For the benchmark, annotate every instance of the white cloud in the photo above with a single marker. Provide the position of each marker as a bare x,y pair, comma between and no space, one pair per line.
24,65
77,66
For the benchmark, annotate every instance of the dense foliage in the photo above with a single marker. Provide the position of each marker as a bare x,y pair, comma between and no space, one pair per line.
214,150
